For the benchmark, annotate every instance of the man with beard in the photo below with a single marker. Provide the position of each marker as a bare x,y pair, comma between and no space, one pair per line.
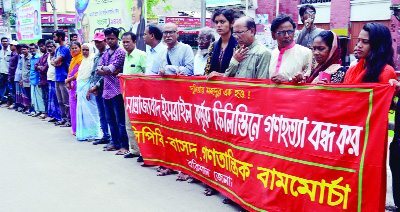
61,61
289,58
178,59
251,60
206,36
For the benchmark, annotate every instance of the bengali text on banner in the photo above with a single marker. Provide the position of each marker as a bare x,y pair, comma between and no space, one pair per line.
268,147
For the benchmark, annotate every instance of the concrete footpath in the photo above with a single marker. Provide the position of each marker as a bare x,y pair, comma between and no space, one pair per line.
45,169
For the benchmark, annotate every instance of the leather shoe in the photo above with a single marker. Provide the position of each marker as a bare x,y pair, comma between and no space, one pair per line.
101,141
140,159
144,165
52,120
130,155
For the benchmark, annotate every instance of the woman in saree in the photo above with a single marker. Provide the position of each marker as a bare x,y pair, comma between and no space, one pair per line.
70,82
87,116
325,65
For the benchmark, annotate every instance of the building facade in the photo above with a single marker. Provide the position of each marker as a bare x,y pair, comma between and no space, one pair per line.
345,17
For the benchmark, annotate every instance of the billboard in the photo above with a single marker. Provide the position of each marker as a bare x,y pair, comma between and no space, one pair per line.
28,23
97,15
7,5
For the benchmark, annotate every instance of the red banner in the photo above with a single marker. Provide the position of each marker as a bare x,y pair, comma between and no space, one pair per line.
267,147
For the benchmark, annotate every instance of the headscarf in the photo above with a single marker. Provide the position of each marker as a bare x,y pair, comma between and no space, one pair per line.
333,59
86,67
76,60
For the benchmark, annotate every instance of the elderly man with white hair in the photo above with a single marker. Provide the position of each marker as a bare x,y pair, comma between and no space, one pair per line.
178,59
206,37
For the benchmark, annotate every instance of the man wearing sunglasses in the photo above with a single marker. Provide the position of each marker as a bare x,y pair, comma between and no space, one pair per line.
251,59
289,58
309,31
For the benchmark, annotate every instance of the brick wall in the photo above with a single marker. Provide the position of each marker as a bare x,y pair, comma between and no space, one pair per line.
267,7
286,6
394,28
340,14
289,7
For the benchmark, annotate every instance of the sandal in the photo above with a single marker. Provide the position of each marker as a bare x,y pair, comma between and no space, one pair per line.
164,172
66,125
59,123
160,168
210,191
122,151
110,148
182,177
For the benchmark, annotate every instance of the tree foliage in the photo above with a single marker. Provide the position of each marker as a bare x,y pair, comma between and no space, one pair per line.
152,3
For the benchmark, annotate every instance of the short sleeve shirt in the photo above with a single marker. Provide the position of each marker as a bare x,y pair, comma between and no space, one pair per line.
62,70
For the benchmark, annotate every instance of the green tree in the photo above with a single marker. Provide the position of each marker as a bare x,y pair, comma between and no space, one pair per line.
153,3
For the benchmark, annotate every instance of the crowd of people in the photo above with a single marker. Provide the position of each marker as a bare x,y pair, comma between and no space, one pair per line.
76,85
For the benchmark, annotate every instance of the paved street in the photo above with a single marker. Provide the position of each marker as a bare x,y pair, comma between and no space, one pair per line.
44,169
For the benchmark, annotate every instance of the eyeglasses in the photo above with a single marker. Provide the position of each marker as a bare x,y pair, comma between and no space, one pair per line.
237,34
283,33
168,32
309,13
202,40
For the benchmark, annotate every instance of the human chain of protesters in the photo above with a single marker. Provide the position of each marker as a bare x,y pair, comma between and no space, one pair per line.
74,86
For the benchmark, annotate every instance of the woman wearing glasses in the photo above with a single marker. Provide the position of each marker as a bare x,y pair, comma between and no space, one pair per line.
309,31
221,52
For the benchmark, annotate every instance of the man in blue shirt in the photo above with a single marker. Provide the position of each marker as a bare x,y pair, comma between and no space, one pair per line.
61,61
152,37
36,92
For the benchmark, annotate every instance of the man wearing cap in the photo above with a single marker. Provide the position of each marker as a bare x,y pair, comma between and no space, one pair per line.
96,87
13,62
4,58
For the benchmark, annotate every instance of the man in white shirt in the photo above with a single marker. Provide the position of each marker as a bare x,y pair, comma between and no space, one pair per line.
178,59
206,36
289,58
5,53
152,37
